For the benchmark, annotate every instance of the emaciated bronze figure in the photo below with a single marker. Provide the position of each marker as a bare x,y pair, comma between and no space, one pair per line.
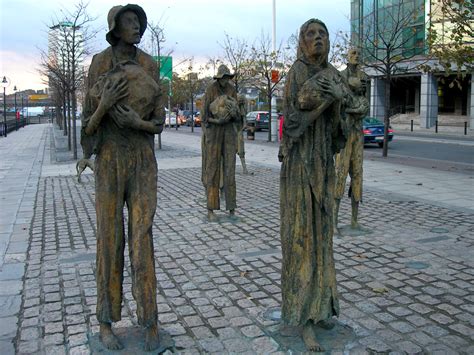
220,115
312,135
122,113
350,159
240,126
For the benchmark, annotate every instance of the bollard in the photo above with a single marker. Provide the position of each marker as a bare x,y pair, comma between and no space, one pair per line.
465,128
436,127
411,125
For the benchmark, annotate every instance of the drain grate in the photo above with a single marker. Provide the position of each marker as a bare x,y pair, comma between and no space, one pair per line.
433,239
439,230
418,265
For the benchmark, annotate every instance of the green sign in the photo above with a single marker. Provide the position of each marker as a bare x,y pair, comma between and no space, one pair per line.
166,67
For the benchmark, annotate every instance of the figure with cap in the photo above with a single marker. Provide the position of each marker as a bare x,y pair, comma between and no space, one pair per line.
122,113
220,115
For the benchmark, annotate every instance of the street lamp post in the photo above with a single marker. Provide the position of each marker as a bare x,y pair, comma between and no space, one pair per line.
22,109
5,84
16,120
273,122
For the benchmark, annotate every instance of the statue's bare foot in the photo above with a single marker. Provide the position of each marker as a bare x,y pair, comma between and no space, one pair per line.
211,216
310,340
326,324
152,338
355,225
108,338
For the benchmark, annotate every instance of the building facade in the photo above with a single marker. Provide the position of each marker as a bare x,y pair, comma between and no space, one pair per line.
395,33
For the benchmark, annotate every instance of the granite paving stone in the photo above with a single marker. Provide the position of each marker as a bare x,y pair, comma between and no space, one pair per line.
216,281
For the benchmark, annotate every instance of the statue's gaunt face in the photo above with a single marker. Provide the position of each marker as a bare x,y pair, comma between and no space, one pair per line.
353,56
316,40
128,28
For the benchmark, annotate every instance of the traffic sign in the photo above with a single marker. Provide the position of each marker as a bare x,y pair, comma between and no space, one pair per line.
166,66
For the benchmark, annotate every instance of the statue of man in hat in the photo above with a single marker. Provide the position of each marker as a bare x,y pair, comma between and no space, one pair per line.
220,115
349,160
122,114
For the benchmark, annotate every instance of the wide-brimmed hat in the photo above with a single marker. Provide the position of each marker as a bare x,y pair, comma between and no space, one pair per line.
223,71
115,12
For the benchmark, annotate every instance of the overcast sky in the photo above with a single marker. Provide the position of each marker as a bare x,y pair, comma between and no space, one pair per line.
193,28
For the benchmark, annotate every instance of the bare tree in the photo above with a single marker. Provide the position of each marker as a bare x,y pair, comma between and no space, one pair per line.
238,54
269,67
340,45
451,36
63,62
390,39
193,85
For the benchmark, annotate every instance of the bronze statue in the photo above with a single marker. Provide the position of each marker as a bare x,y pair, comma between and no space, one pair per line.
240,126
122,113
219,141
312,135
349,160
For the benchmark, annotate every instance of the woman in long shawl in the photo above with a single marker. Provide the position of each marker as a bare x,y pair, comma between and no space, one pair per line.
312,135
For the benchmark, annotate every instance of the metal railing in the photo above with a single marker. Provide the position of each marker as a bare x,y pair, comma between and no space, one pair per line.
13,124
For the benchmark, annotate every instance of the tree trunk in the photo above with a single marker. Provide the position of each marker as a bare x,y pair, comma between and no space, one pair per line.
74,135
269,111
68,102
386,120
64,115
192,113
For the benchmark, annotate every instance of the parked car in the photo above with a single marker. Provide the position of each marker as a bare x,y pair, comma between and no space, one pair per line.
258,119
184,116
373,131
181,120
197,120
170,120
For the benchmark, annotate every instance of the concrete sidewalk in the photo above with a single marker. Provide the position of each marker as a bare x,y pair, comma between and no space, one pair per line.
445,189
404,288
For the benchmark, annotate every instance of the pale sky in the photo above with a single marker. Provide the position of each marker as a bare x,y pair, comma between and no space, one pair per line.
193,28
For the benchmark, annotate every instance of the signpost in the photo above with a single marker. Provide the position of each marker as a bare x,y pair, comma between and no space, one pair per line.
165,64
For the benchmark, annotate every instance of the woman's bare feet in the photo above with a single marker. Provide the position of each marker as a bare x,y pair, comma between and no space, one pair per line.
326,324
108,338
152,338
211,216
309,338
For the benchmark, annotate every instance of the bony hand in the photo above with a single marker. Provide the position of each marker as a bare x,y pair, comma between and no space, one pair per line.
124,116
113,91
331,88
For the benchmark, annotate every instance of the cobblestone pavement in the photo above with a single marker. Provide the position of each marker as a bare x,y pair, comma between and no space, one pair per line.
408,287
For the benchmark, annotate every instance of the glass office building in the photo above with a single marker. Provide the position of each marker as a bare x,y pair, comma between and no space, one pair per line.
414,94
